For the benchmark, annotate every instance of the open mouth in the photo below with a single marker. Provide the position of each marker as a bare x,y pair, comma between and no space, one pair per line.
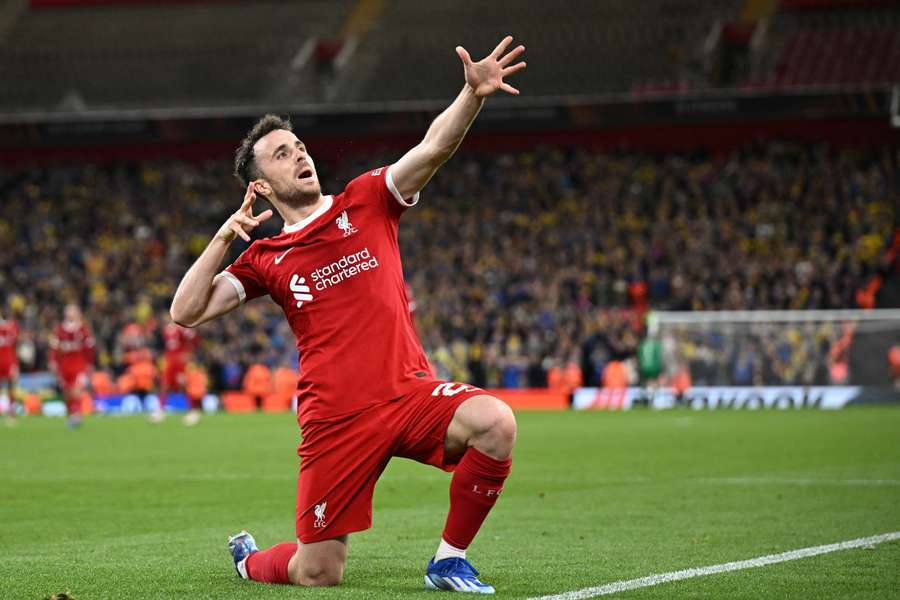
305,174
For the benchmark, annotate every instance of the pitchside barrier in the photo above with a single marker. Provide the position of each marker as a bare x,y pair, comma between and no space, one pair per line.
533,399
40,397
733,397
517,399
761,359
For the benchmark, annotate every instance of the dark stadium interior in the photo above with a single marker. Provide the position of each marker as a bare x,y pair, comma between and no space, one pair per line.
196,54
531,250
650,291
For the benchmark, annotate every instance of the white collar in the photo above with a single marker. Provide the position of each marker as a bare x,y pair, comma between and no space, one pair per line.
315,215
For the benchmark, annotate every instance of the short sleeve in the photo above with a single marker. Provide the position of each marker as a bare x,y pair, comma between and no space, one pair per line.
404,202
244,276
379,184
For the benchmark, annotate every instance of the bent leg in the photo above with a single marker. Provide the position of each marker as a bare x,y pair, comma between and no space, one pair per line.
315,564
485,423
270,565
483,430
319,563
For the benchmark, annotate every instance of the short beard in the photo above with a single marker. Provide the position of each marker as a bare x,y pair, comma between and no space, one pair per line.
297,199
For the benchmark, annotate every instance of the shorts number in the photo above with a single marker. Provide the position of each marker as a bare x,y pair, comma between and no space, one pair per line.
448,389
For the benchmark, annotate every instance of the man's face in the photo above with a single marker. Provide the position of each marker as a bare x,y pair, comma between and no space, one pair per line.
72,313
287,168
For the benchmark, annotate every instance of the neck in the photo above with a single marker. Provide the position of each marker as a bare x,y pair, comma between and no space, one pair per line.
294,214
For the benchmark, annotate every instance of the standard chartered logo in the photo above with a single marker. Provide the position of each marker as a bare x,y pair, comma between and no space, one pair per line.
343,269
300,290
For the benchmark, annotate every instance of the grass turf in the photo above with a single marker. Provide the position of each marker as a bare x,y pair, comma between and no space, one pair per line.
125,509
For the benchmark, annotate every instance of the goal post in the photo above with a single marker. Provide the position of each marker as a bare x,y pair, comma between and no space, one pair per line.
764,348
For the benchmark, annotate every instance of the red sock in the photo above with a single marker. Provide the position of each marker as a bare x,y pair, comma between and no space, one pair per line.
475,487
74,405
271,565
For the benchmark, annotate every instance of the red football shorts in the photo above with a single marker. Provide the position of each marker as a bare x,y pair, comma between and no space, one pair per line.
8,370
174,374
71,378
343,458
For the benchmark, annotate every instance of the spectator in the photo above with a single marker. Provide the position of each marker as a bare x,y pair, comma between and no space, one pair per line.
514,259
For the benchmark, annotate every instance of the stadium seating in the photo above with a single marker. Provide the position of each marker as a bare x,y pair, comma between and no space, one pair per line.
201,55
829,48
157,55
577,47
519,262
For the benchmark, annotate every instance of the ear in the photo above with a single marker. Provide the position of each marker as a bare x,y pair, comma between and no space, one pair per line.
261,187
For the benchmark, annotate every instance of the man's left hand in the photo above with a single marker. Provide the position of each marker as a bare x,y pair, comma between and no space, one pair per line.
486,76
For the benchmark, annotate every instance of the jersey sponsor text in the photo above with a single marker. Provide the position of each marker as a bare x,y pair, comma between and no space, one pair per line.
346,267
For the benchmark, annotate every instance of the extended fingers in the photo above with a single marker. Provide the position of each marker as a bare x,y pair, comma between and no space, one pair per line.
240,232
241,223
464,55
263,215
501,47
509,89
249,196
516,52
513,69
246,219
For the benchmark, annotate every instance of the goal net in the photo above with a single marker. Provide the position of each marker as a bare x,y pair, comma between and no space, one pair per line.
777,348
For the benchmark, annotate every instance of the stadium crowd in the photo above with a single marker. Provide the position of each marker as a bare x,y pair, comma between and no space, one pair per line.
523,266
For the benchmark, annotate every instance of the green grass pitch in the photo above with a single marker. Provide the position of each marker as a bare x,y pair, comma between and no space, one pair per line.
125,509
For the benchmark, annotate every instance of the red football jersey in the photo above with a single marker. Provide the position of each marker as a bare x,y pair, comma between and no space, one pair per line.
9,333
72,347
337,276
179,341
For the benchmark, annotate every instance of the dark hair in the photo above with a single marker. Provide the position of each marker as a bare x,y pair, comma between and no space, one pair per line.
245,168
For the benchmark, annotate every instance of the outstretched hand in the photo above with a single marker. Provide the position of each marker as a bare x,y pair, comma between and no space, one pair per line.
486,76
243,221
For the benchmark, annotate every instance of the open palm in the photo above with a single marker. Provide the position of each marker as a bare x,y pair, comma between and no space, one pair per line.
486,76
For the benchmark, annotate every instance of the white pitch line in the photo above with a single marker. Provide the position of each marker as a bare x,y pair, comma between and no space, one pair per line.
761,561
798,481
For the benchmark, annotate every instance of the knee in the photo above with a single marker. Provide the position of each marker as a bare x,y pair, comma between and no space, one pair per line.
499,434
505,425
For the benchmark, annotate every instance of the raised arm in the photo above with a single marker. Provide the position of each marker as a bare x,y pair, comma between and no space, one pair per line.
483,78
202,296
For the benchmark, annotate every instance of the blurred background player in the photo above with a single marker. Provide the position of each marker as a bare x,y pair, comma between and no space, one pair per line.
72,350
180,343
9,363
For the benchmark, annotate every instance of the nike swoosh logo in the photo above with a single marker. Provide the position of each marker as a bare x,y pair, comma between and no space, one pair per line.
278,259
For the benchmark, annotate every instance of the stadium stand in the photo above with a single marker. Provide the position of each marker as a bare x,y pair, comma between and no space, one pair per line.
195,54
582,47
564,251
160,55
829,44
